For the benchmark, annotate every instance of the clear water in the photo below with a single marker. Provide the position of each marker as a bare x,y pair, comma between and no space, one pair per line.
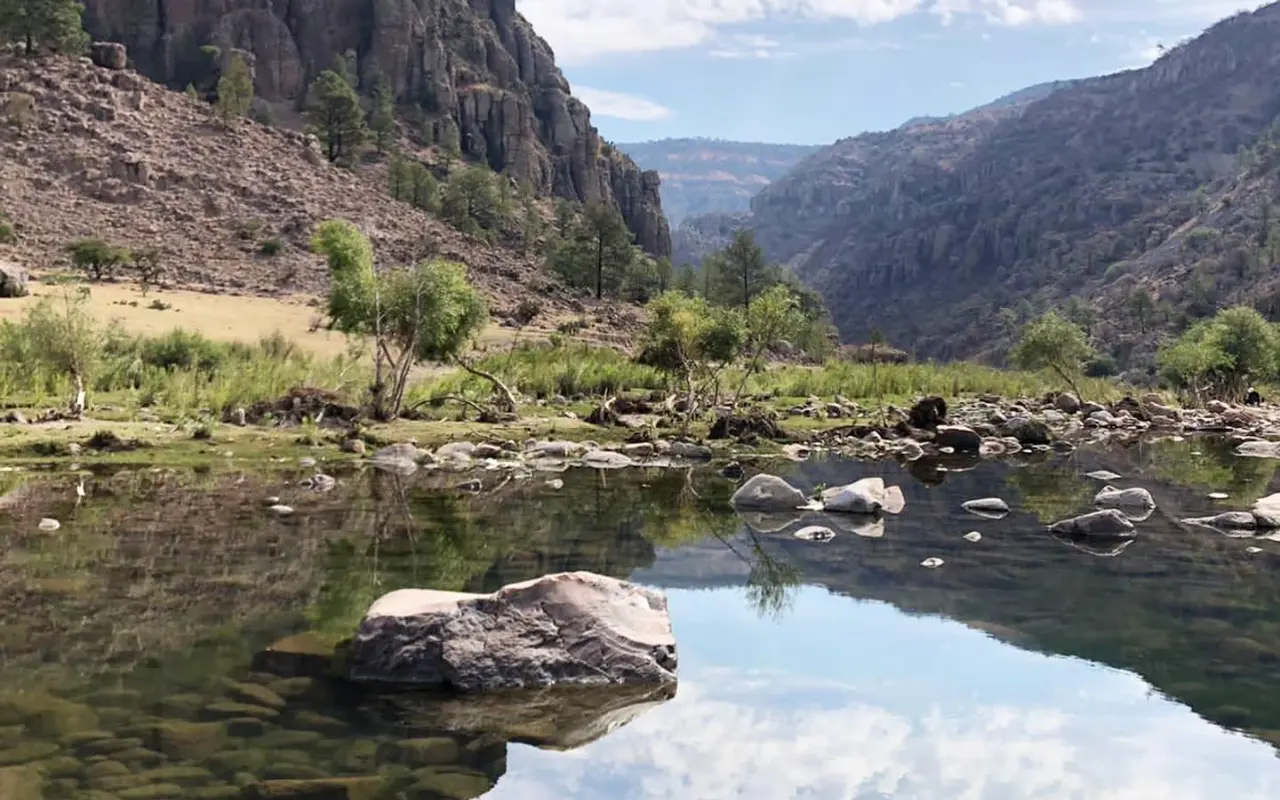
1024,667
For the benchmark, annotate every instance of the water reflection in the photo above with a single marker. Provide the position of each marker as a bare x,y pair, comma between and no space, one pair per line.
162,586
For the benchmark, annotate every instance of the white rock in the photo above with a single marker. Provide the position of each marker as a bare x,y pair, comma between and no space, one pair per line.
972,536
1253,550
461,451
815,533
911,450
865,496
767,493
1218,495
572,628
1258,448
555,483
49,525
933,562
987,507
282,510
1103,475
1111,497
607,459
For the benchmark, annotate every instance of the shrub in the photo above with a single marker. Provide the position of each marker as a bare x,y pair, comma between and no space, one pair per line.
271,247
8,235
98,258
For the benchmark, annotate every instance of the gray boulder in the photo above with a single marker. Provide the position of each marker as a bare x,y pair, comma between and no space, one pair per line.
1227,521
958,437
13,280
1108,522
402,458
1026,430
1111,497
109,55
1067,403
607,459
767,493
571,628
1259,448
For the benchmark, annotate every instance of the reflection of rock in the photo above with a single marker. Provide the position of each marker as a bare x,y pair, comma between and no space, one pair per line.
768,522
1105,548
569,628
556,718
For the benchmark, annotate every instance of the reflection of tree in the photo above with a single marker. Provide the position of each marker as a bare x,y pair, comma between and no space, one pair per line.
1211,466
697,507
1052,492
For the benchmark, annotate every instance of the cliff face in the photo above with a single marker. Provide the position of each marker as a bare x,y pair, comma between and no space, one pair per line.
949,235
473,69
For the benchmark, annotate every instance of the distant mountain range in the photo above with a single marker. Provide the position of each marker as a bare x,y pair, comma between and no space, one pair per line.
702,176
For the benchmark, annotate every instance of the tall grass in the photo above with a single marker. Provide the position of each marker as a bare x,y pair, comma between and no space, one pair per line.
180,371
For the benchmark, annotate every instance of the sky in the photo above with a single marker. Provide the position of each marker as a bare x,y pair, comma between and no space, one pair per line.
813,71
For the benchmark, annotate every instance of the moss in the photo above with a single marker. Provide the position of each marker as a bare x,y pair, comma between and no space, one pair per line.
214,793
292,688
181,706
21,783
78,738
311,721
452,785
246,727
255,694
106,769
46,715
177,773
105,747
60,767
289,771
363,788
231,762
140,756
424,752
26,752
189,741
229,710
154,791
289,739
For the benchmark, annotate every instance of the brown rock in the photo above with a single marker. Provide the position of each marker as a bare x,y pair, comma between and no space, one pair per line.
109,55
13,280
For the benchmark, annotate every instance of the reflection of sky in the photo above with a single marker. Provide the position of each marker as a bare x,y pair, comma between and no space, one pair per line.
857,701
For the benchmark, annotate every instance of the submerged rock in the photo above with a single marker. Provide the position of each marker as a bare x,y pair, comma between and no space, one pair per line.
767,493
1111,497
573,628
401,458
1108,522
865,496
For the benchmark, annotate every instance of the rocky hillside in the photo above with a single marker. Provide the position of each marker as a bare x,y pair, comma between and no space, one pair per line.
949,235
1018,98
108,153
701,176
470,72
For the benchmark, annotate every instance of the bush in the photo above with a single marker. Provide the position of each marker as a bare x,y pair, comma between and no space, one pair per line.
98,258
8,235
271,247
573,327
1101,366
19,109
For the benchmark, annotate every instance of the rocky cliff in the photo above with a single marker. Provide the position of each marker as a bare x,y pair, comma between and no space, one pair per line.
949,235
701,176
470,70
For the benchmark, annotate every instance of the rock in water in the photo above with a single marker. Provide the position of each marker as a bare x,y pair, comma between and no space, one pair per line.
1258,448
866,496
767,493
1111,497
572,628
972,536
1108,522
933,562
1026,430
1103,475
987,506
815,533
959,438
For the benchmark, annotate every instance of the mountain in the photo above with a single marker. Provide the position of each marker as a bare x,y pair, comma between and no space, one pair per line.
948,236
466,72
713,175
1017,98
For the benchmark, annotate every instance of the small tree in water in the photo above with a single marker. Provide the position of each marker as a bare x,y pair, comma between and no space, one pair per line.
428,312
1056,344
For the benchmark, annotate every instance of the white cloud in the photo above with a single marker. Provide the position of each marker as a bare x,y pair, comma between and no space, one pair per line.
604,103
744,45
582,30
753,735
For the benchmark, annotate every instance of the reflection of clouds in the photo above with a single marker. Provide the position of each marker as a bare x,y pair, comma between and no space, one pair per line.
748,734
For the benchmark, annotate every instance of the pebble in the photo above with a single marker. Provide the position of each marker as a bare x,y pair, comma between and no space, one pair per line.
1218,495
1253,550
49,525
307,461
282,510
555,483
933,562
973,536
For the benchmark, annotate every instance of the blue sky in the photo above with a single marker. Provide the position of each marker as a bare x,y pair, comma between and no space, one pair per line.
812,71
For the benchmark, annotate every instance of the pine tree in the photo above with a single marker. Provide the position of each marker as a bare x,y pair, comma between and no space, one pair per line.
611,244
235,90
44,23
382,117
744,272
336,117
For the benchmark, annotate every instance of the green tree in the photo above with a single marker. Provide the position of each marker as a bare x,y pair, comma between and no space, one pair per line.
56,24
424,188
382,119
773,317
62,338
98,258
692,340
610,244
471,200
1143,306
665,272
235,90
428,312
400,178
1056,344
743,271
1223,353
335,116
686,280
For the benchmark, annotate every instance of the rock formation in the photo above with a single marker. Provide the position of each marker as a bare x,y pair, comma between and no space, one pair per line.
471,72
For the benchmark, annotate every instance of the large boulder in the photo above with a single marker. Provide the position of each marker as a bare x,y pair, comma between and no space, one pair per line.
572,628
866,496
13,280
1067,403
1026,430
1108,523
109,55
767,493
960,438
1111,497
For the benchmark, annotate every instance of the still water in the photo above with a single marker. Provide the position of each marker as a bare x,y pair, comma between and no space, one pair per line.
131,638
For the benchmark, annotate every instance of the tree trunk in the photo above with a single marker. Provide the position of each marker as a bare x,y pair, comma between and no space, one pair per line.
78,401
600,268
508,403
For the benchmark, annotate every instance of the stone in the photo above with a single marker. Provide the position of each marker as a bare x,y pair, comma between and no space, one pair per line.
359,788
1108,522
109,55
355,446
607,459
306,655
1111,497
1217,407
638,449
933,562
972,536
457,451
960,438
400,458
1026,430
449,784
1067,403
21,783
986,506
554,449
767,493
46,715
187,741
26,752
1103,475
928,413
815,533
693,452
229,710
865,496
49,525
255,694
13,280
105,769
571,628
